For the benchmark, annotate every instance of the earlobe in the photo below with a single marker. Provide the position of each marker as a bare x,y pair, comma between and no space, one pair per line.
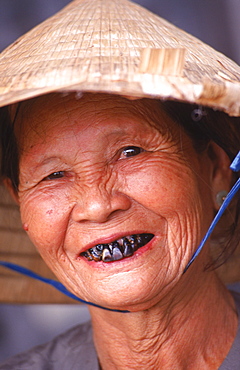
220,197
12,191
222,175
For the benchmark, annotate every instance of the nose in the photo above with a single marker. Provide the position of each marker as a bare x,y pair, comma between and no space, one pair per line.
96,205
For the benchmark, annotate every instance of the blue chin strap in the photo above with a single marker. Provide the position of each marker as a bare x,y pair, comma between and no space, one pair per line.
59,286
235,166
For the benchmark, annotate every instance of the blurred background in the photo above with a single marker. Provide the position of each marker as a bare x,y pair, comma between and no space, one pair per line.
215,22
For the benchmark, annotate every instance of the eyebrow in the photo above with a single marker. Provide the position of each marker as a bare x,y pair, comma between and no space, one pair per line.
44,162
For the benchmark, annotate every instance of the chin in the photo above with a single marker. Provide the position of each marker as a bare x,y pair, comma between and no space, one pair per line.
130,292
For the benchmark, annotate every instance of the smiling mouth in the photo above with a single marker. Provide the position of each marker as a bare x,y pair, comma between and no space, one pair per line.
117,250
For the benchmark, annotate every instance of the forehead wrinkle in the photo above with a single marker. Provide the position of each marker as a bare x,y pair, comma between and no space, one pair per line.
99,108
102,104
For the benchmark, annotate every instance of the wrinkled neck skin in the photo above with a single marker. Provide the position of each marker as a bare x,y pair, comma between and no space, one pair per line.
193,327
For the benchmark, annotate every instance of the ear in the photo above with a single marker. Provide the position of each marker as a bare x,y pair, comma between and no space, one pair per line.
222,175
12,191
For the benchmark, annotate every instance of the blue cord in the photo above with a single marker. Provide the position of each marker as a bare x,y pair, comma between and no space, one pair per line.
54,283
235,166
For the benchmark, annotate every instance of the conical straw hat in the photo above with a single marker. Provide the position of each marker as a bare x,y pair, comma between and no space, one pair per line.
119,47
110,46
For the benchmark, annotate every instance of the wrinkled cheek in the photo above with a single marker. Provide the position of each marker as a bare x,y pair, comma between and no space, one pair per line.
45,226
184,235
162,191
174,197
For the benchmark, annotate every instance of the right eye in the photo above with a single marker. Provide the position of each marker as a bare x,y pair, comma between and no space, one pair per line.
130,151
54,176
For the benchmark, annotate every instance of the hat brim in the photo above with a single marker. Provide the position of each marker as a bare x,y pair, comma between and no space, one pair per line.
121,48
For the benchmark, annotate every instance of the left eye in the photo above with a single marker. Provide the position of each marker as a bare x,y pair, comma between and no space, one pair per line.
131,151
54,176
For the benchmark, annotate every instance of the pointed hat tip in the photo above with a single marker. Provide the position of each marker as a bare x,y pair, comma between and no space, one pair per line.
117,47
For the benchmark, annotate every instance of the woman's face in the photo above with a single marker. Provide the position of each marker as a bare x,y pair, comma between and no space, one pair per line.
109,172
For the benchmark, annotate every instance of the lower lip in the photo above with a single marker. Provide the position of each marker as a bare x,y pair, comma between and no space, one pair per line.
136,254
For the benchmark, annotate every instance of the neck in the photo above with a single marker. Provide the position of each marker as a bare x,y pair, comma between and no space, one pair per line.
191,329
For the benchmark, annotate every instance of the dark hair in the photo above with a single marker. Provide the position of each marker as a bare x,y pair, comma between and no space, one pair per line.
9,149
202,124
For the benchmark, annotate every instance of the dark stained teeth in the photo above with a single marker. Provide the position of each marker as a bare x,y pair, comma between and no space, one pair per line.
96,254
88,255
127,248
110,247
146,238
117,254
100,247
115,244
106,255
135,242
121,248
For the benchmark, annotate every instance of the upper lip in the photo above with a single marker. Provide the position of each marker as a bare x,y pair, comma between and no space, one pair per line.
112,238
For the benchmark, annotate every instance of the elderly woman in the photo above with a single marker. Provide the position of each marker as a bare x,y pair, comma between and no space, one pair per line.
117,184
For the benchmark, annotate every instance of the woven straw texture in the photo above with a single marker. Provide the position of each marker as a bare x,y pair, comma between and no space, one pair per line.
107,46
119,47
